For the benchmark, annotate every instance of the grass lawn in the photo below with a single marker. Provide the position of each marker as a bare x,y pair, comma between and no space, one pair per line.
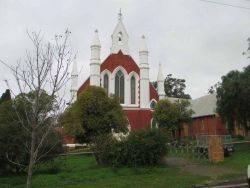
240,158
82,171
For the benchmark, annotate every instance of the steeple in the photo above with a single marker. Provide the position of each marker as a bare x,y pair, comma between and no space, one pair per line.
160,83
119,37
144,74
143,46
160,76
74,81
96,40
95,61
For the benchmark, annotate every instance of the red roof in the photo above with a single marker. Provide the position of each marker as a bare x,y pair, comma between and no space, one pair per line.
153,93
83,86
119,59
127,62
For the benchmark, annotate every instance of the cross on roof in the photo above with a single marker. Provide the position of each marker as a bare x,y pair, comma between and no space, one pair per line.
120,15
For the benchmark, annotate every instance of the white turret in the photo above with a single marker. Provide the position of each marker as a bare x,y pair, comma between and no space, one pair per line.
74,81
95,61
144,74
160,83
119,38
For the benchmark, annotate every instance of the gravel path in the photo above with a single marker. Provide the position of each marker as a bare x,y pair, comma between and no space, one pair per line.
204,170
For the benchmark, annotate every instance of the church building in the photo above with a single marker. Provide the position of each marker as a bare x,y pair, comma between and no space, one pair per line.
120,75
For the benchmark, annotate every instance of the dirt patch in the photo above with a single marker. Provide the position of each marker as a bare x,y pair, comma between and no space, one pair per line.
204,170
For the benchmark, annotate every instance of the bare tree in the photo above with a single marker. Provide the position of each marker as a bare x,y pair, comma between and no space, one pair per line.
45,70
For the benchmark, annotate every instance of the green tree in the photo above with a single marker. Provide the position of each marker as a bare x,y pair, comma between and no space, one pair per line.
94,114
15,139
185,114
233,98
45,69
213,88
171,116
166,115
5,96
175,87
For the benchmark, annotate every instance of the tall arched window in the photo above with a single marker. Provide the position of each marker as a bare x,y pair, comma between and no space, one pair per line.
132,89
119,86
106,83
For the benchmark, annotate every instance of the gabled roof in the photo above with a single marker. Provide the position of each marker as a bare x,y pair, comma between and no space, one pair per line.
204,106
119,59
84,86
153,93
120,27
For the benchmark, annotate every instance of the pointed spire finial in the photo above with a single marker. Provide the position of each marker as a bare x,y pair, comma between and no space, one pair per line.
160,75
120,15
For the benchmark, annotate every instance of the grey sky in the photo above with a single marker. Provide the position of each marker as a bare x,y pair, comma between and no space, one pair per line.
194,40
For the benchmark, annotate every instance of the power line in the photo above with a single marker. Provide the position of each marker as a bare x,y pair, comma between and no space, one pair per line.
225,4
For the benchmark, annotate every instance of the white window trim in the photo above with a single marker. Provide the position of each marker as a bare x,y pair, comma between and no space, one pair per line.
102,80
127,88
137,79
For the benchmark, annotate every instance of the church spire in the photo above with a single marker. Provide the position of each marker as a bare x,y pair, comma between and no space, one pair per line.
120,37
95,61
74,81
160,83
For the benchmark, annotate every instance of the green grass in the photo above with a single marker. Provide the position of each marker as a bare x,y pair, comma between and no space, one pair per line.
82,171
240,158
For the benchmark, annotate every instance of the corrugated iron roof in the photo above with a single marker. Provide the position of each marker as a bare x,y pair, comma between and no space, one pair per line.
204,106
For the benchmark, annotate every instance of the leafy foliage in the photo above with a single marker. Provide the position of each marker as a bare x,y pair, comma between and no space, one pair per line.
143,147
166,114
233,102
15,139
175,87
5,96
171,116
94,114
213,88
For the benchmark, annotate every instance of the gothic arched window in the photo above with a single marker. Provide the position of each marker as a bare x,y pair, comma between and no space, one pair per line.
119,86
132,89
106,83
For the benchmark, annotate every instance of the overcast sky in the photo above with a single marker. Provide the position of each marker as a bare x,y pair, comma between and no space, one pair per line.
193,39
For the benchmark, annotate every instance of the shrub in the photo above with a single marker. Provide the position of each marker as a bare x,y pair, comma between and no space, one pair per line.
144,147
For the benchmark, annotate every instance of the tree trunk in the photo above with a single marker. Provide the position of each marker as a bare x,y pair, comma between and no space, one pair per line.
31,163
179,135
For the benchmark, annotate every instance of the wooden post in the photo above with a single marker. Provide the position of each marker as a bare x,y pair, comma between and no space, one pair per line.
215,149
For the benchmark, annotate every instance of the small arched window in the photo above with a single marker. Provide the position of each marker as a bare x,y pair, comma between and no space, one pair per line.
132,89
106,83
119,86
152,105
120,37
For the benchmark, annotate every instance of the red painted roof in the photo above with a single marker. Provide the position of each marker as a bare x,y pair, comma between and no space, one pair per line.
119,59
127,62
153,93
83,86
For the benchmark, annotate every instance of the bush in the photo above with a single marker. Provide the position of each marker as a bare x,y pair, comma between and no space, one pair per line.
144,147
